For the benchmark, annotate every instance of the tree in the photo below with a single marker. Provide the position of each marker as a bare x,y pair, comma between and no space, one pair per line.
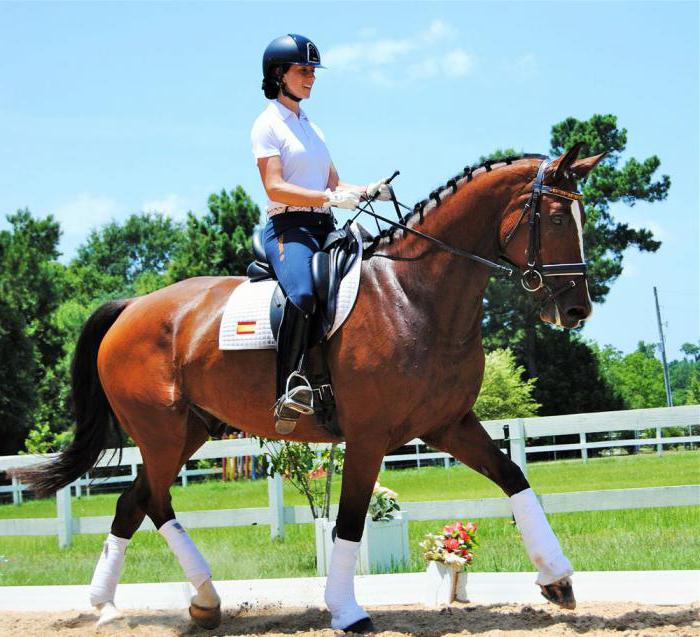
638,377
115,258
220,242
511,318
504,393
684,375
32,285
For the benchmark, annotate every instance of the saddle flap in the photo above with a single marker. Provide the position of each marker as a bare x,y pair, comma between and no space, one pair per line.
259,245
320,271
258,271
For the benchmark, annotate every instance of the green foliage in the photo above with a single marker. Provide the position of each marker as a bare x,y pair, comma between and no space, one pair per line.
685,376
504,394
383,504
220,242
637,377
32,285
42,440
308,470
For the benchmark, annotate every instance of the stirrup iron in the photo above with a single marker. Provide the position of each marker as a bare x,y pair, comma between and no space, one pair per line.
301,397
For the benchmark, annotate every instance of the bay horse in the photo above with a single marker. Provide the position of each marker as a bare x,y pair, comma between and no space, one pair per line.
408,363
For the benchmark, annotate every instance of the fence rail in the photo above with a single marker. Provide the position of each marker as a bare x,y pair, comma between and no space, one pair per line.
515,431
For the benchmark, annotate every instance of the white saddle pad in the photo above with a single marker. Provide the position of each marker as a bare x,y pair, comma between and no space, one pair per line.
246,320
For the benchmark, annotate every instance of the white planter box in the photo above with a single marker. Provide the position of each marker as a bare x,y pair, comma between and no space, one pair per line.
444,585
384,545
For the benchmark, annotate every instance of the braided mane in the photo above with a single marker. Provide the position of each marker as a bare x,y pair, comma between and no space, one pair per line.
439,194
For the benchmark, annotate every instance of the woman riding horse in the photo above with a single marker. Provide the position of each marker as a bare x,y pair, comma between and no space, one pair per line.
407,363
301,184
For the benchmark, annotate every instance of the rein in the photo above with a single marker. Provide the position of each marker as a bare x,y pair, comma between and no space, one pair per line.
533,278
438,242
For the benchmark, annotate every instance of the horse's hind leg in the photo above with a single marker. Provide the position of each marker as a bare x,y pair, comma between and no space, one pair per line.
470,443
150,494
128,518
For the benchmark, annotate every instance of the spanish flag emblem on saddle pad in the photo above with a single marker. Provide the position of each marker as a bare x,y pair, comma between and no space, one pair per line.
245,323
246,327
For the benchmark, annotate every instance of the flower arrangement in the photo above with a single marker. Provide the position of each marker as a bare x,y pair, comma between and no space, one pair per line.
454,547
383,504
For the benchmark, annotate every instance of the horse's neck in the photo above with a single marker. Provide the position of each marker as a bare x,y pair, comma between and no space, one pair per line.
449,289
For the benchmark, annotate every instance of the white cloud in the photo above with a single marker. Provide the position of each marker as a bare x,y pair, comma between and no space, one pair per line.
171,205
86,211
523,67
458,63
391,61
660,232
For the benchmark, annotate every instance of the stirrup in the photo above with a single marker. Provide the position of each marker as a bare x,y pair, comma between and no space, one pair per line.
301,397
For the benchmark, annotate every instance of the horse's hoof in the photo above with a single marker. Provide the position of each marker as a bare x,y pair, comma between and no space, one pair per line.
560,593
108,614
362,626
205,617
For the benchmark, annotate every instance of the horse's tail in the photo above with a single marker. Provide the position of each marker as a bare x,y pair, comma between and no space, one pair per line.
93,414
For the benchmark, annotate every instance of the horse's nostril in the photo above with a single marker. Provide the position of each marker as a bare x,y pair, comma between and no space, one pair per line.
577,313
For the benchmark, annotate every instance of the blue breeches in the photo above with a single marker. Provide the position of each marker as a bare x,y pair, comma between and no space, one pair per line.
291,239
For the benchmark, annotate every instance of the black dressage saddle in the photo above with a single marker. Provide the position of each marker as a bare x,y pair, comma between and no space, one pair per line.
328,267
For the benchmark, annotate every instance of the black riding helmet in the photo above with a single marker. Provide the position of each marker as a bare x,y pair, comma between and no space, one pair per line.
280,53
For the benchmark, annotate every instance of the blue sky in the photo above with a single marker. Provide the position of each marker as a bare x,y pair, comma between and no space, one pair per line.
112,108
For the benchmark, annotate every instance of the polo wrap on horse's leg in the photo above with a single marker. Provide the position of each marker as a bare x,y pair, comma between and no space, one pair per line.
109,567
541,544
340,589
192,561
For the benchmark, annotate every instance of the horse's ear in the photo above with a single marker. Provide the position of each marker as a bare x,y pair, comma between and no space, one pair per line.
562,165
582,167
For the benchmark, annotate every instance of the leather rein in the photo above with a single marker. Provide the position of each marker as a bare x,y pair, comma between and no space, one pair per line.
534,277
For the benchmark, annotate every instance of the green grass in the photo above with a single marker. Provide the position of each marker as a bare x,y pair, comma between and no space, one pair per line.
661,538
645,539
415,485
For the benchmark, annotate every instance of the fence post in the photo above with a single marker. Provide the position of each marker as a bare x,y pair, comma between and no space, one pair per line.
276,499
183,475
659,446
584,451
517,444
64,520
418,455
16,491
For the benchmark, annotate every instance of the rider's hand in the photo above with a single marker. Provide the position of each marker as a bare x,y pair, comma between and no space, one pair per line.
348,199
378,191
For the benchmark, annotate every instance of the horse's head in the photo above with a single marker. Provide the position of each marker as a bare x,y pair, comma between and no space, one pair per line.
541,233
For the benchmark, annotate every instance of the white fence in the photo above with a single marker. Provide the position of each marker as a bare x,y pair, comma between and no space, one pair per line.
515,431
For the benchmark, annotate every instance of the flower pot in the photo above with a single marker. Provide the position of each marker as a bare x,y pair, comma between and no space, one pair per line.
384,545
444,585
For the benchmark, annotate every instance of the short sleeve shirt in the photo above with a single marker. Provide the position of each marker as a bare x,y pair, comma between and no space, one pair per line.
299,143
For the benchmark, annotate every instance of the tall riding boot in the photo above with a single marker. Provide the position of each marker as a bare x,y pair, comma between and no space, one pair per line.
294,393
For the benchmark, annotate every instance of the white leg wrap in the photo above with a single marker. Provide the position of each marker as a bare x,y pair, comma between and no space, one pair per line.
108,569
340,589
540,542
192,561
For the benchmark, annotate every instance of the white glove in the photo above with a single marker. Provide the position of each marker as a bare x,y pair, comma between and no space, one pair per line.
348,199
380,189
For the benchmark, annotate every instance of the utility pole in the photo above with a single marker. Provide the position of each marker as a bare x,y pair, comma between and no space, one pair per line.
662,344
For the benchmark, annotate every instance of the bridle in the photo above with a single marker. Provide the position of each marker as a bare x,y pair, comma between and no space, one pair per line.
534,277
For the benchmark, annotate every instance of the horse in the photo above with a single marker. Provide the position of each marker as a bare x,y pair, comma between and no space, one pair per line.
408,363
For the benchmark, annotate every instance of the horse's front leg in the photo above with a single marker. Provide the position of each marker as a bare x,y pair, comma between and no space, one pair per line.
470,443
363,459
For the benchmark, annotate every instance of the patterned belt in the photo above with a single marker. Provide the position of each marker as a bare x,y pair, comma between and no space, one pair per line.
277,211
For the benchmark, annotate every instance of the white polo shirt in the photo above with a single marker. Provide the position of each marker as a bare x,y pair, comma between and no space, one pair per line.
300,144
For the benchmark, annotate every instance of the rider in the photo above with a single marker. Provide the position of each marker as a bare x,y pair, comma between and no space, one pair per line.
301,184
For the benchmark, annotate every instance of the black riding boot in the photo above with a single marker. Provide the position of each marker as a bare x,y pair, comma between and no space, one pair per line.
294,393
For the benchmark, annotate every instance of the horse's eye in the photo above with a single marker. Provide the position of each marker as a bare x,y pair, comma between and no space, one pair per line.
557,219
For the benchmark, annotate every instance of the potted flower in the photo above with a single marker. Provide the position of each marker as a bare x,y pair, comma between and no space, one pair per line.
449,554
384,540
